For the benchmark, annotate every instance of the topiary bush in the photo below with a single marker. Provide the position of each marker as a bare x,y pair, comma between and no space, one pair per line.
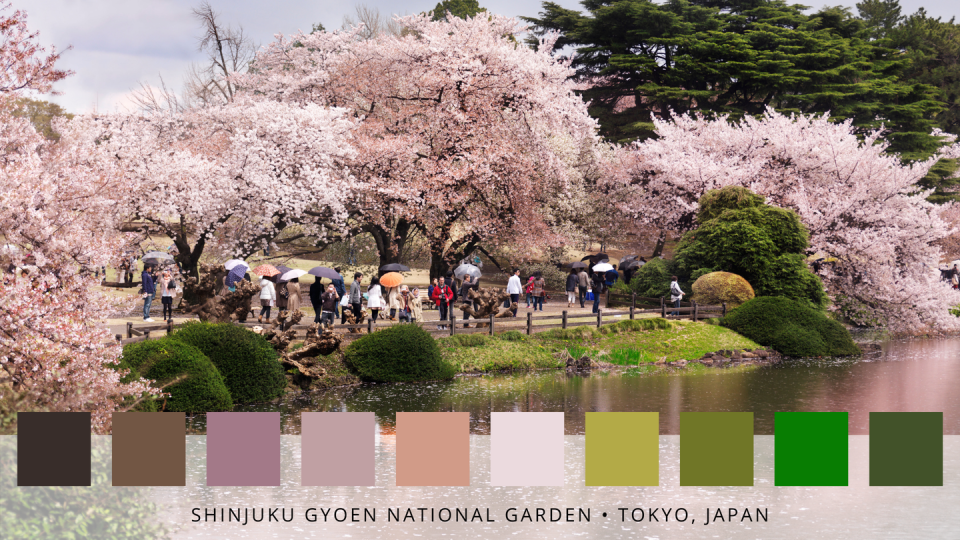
790,327
164,360
248,362
652,280
718,287
401,353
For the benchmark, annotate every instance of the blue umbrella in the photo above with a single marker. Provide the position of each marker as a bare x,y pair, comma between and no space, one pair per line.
236,275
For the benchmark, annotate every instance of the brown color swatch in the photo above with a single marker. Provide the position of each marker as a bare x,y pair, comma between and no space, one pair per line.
53,449
149,449
433,449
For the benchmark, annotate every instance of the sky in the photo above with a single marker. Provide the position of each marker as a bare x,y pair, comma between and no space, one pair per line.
119,44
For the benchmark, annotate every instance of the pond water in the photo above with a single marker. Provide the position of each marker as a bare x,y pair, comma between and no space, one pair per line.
911,375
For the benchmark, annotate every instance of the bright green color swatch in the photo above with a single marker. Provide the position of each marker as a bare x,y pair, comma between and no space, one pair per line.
906,449
716,449
623,448
811,449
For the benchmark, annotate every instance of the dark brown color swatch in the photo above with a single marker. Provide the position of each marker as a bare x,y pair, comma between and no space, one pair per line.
53,449
149,449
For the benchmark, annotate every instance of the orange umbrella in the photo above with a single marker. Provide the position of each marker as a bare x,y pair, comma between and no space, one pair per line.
266,270
391,279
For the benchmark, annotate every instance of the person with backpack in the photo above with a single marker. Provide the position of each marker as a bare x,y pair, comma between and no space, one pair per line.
676,294
328,303
442,296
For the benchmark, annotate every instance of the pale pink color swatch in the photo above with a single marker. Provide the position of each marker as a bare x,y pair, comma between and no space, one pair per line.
338,448
526,448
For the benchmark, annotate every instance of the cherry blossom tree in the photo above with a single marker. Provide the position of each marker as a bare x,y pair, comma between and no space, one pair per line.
860,204
464,134
231,176
56,213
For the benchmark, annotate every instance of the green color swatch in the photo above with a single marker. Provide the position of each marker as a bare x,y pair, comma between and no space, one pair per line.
906,449
811,449
623,448
716,449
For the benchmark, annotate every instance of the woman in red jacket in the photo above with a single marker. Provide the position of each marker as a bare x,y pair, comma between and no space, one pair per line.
443,296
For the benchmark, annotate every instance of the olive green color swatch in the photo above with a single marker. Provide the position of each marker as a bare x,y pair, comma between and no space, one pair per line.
906,449
811,448
622,449
716,449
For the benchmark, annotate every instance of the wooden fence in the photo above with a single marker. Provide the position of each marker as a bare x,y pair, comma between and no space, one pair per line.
454,326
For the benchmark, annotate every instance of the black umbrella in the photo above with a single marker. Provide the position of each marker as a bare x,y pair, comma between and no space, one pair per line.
577,264
394,267
324,272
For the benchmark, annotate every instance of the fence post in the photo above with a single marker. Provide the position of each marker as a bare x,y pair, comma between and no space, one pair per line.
529,323
599,317
633,303
694,303
491,324
453,324
663,308
129,330
146,335
119,337
724,306
169,326
564,319
369,326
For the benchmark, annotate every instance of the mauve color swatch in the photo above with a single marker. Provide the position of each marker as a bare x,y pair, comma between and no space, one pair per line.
338,448
243,449
433,449
526,448
149,449
53,449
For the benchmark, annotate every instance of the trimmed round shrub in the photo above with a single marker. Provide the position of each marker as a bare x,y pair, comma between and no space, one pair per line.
790,327
718,287
164,360
401,353
248,362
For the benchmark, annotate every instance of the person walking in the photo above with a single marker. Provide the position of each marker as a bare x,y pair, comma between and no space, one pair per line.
339,286
328,305
572,281
528,290
443,296
168,289
374,298
513,289
433,285
404,304
356,297
393,302
583,285
268,297
282,294
416,305
539,291
316,299
465,300
293,295
598,286
149,291
676,294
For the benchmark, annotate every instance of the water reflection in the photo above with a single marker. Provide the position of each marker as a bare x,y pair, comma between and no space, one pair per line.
916,375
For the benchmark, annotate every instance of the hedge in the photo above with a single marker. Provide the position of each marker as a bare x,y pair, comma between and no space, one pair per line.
248,362
401,353
791,328
164,360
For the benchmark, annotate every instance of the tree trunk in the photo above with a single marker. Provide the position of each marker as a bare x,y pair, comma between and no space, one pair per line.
390,242
661,240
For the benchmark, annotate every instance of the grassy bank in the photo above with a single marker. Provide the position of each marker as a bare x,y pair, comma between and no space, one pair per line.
636,342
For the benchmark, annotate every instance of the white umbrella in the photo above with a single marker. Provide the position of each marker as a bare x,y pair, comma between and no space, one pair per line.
603,267
295,273
229,265
465,269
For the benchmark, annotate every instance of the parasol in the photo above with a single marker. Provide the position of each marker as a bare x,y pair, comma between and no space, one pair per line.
324,272
266,270
394,267
229,265
467,269
603,267
292,274
236,275
391,279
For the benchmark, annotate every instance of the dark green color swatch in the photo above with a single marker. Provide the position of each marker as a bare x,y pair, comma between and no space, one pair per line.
811,449
906,449
716,449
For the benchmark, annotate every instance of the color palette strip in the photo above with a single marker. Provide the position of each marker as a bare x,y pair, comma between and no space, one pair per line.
526,449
